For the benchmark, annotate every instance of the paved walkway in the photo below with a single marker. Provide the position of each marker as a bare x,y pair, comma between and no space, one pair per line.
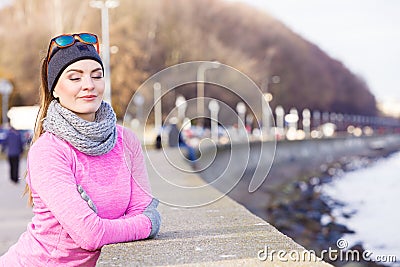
223,233
14,211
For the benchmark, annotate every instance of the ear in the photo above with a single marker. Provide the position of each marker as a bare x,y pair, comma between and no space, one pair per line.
55,95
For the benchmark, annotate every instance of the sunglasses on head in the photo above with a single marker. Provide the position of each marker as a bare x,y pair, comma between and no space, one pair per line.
66,40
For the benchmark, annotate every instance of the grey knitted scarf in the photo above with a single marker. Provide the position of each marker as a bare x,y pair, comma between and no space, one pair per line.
92,138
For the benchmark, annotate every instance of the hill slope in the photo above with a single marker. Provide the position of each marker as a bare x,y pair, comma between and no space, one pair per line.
151,35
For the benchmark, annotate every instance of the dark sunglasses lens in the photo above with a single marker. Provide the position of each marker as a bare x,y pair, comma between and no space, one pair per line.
89,38
64,40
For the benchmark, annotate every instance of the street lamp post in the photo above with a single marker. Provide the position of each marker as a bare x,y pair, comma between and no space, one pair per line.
280,124
105,36
181,105
214,108
157,106
5,90
266,129
306,114
200,86
241,110
138,100
292,120
316,115
267,98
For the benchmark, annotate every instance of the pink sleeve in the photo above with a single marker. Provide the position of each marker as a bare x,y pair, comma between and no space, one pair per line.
52,178
141,192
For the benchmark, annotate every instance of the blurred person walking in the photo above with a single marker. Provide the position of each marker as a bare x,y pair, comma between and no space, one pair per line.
14,147
86,175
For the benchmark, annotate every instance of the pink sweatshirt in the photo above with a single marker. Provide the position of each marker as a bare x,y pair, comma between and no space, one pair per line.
64,230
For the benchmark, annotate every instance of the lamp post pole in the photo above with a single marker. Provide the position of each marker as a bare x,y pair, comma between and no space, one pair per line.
280,123
200,87
181,105
266,113
5,90
157,106
241,110
266,128
138,100
214,108
307,122
105,36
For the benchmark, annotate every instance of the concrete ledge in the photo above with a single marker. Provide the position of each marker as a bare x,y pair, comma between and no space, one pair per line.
223,233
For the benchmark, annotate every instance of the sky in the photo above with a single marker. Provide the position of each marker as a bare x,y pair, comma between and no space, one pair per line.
363,34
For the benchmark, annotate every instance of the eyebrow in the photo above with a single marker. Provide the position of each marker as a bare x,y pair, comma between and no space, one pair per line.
81,71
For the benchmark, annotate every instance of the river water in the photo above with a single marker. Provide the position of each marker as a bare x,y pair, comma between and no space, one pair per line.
373,195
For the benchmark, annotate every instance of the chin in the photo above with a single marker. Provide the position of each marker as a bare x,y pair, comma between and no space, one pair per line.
89,108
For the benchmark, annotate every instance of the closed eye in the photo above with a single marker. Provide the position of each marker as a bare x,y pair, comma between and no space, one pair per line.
97,73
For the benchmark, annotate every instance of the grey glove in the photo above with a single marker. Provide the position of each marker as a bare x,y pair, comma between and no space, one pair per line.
152,213
86,197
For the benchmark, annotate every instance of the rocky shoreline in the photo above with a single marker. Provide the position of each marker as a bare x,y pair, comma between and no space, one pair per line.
290,197
302,212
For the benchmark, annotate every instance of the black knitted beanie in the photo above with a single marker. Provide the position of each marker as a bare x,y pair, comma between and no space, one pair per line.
63,57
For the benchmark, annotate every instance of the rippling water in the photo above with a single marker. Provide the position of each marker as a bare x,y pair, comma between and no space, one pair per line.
374,194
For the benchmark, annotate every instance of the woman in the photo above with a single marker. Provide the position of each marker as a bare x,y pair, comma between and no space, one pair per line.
86,176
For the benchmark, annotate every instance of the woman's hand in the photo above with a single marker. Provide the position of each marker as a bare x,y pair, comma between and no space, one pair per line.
152,213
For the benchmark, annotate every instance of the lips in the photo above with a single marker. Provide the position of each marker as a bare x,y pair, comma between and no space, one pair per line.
88,97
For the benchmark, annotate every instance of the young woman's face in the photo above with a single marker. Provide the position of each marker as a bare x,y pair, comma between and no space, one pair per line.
80,88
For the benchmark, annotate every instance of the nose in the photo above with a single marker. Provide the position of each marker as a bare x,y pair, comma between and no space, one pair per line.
87,83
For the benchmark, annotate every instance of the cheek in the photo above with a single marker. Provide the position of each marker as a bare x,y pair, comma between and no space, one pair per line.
64,89
100,87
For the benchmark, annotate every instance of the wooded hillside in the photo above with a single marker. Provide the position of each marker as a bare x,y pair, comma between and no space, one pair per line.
151,35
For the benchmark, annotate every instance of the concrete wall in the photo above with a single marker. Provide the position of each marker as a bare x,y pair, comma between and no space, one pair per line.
219,233
237,168
215,159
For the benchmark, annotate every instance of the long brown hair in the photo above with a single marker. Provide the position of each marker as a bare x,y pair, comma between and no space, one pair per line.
45,98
